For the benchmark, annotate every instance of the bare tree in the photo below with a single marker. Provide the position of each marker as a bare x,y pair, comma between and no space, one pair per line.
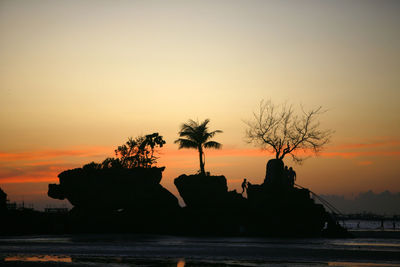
280,130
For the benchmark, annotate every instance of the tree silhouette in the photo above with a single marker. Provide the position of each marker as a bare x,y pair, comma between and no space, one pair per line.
280,130
136,152
196,135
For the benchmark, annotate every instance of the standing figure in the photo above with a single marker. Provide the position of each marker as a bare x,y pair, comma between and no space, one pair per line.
244,186
292,176
286,176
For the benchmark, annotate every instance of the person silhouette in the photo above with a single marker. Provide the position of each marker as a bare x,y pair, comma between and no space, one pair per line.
244,185
286,175
292,176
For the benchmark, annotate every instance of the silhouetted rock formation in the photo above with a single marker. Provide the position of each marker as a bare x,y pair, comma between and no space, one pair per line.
207,192
274,172
201,190
210,208
114,188
273,208
276,178
116,197
284,212
276,208
122,199
3,201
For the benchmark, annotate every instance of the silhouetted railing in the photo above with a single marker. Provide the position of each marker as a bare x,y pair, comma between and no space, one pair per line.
323,201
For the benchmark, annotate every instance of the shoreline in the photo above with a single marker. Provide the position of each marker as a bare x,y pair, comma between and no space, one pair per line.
357,233
395,234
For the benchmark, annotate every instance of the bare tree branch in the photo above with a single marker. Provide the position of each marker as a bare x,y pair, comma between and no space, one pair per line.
279,130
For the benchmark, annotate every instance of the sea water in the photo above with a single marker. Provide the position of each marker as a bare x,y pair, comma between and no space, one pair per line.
371,224
160,250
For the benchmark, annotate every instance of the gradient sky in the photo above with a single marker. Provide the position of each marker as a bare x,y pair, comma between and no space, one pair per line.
79,77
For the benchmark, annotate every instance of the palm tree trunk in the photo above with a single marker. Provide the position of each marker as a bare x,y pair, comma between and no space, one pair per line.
202,171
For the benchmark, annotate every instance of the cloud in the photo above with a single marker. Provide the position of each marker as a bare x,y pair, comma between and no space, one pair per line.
42,157
51,154
364,163
347,151
369,145
170,151
45,165
357,154
385,148
26,172
6,172
49,178
379,203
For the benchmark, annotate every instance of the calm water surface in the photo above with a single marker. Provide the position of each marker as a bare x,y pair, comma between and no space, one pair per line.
147,250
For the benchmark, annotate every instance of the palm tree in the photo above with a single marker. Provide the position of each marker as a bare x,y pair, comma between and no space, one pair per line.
195,135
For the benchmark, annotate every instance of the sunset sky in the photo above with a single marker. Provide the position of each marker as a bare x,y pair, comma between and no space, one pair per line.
77,78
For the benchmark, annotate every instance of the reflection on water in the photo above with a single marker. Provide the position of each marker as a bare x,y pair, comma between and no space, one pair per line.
371,225
138,250
115,261
181,263
39,258
360,264
120,261
350,243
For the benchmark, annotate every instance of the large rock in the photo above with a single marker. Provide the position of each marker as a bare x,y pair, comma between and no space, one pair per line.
275,173
290,212
276,208
210,207
117,200
3,201
113,189
202,190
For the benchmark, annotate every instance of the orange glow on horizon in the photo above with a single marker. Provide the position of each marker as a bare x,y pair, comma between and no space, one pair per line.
45,165
46,156
50,154
30,179
40,258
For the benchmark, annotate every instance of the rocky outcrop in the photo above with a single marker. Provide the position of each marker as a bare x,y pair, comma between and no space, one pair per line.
276,208
276,178
284,213
116,199
3,201
133,200
114,188
210,207
202,190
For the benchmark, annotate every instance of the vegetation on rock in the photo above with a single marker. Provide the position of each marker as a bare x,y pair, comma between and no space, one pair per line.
196,135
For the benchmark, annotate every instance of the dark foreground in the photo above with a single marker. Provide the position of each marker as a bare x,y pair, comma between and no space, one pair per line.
145,250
